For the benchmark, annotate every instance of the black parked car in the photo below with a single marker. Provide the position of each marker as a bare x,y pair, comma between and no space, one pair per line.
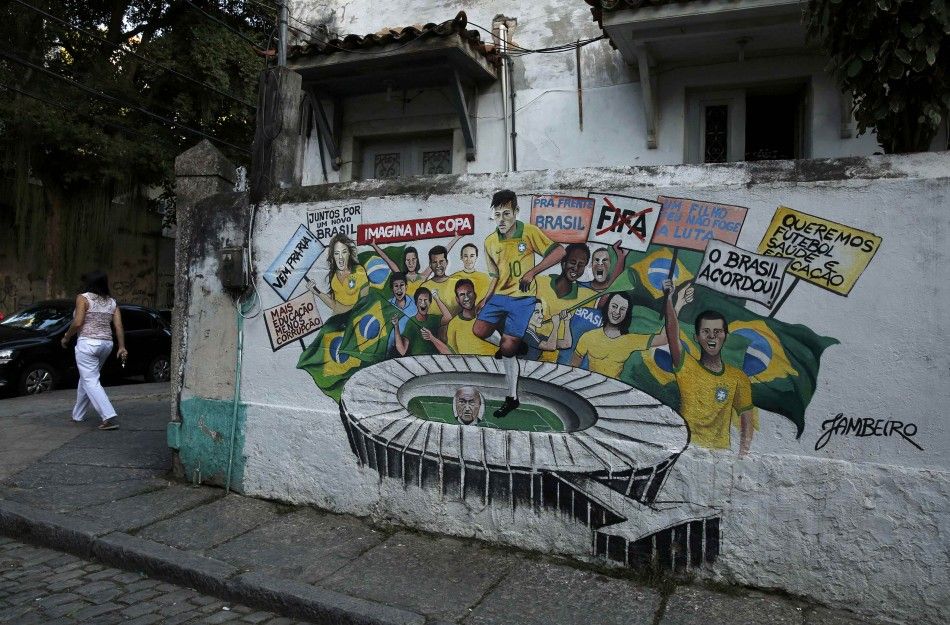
32,360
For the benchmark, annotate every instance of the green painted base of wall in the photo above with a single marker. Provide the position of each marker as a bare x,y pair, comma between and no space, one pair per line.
204,438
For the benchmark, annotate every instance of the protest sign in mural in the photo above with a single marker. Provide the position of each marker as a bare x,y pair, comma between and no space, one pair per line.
631,219
734,271
293,262
327,222
416,229
292,320
823,252
690,224
563,218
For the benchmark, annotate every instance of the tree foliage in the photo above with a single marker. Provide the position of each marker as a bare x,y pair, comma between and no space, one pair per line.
892,56
72,160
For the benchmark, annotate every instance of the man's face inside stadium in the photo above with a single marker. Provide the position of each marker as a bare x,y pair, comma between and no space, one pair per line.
572,267
468,403
616,310
505,216
712,336
412,262
439,264
465,295
469,256
341,254
422,303
399,290
600,265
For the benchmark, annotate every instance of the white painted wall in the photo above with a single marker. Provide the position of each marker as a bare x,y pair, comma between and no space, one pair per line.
861,524
546,86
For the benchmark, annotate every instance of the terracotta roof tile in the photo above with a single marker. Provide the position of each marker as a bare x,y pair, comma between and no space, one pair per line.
400,35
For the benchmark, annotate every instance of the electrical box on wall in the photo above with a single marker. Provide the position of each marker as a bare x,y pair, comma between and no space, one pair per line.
232,268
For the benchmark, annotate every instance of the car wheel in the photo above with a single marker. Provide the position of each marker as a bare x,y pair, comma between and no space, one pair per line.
36,378
158,370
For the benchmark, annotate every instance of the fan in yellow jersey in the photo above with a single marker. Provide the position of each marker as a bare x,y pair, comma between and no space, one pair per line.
347,279
608,347
459,337
480,280
710,390
507,307
439,282
563,292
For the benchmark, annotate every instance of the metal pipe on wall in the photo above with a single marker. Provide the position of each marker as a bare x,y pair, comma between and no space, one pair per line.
282,34
513,141
505,86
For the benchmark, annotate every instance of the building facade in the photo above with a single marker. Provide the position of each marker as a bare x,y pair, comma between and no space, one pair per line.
722,369
669,83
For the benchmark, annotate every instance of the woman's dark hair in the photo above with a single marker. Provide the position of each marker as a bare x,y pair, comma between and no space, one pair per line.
624,325
97,282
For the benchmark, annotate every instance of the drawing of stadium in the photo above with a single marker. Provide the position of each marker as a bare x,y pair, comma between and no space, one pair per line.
581,445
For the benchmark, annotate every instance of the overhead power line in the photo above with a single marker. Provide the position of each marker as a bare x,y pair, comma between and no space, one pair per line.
111,98
120,46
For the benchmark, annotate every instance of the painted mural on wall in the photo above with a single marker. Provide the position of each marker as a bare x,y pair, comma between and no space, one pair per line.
564,359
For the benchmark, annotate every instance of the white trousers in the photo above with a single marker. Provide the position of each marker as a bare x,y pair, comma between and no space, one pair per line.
91,354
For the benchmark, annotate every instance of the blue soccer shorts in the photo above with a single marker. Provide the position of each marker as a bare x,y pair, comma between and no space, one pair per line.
515,312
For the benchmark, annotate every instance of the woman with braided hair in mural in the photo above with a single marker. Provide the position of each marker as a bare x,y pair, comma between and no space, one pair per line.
95,312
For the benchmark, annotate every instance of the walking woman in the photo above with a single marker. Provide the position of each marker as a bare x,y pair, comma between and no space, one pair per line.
95,310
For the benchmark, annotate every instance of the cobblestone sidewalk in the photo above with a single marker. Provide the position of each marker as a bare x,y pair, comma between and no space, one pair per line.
44,586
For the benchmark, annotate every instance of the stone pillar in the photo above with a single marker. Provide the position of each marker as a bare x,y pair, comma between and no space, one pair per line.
200,172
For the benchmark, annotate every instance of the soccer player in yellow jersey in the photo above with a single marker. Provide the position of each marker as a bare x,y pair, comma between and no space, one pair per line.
562,292
348,281
711,390
507,307
480,280
459,337
608,347
440,282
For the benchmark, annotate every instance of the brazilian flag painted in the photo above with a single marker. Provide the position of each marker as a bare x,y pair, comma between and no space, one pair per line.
653,267
377,270
348,342
368,327
327,359
781,359
646,271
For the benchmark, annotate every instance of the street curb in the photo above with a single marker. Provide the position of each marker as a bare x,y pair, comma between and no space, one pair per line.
157,560
50,529
285,597
325,606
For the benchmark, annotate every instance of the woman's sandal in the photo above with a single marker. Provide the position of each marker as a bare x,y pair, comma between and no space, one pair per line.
109,424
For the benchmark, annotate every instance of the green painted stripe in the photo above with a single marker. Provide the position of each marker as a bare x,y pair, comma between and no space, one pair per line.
203,440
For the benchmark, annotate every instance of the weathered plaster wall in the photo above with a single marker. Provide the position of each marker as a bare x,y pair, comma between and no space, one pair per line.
140,270
549,135
860,523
